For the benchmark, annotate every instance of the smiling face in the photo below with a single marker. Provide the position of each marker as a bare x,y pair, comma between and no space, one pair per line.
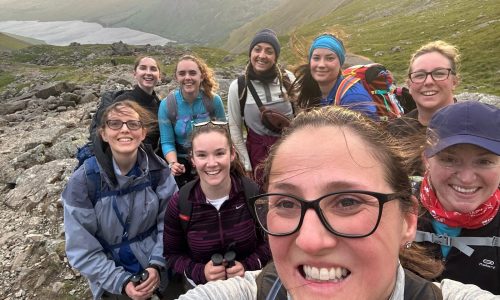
432,95
212,157
123,141
313,263
464,176
262,57
189,76
147,74
325,66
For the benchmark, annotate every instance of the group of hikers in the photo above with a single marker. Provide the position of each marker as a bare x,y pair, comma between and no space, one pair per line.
299,192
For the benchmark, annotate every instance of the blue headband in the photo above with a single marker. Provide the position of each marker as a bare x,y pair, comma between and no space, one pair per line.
327,41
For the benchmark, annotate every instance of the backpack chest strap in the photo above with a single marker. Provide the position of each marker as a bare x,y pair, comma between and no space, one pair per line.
462,243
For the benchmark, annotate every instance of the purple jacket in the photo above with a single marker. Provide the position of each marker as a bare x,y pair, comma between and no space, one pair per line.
211,231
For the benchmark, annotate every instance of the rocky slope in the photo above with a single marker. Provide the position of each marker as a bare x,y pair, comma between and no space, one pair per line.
40,128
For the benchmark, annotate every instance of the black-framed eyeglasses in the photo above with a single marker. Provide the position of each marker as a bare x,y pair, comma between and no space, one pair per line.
118,124
351,214
439,74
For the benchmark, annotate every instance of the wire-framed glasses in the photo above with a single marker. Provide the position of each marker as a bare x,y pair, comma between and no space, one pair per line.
118,124
351,214
439,74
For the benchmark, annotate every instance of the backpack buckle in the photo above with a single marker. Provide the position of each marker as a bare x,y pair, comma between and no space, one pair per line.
441,239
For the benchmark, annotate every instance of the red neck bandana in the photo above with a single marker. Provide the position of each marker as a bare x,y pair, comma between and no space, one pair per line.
471,220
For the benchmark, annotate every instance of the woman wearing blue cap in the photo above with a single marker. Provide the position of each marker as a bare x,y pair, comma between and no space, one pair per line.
318,81
460,192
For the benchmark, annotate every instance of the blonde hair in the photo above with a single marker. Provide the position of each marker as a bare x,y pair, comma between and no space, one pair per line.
209,84
447,50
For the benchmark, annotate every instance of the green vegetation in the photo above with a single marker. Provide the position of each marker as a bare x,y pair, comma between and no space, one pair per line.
8,42
383,26
5,79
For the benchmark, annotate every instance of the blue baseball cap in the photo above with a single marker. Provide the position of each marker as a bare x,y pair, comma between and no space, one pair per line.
468,122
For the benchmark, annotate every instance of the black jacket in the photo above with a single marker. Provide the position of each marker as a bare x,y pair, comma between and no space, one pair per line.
151,103
482,268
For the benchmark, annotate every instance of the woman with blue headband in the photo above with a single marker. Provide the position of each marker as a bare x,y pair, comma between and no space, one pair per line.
318,81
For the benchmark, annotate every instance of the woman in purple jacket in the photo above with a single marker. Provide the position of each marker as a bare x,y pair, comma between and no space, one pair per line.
220,221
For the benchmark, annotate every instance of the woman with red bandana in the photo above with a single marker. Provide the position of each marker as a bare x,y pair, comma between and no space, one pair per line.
460,191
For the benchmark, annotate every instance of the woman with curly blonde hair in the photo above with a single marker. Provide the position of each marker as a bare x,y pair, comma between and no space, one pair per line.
195,101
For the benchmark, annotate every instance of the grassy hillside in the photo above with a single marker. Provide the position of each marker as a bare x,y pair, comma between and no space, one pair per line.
8,42
377,26
281,19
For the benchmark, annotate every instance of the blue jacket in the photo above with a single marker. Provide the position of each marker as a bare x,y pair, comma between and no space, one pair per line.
355,98
86,224
187,115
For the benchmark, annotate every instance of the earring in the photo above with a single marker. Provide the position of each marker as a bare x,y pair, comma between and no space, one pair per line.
407,245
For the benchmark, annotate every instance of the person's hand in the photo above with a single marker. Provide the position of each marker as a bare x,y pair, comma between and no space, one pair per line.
236,270
177,169
145,289
152,283
134,294
213,273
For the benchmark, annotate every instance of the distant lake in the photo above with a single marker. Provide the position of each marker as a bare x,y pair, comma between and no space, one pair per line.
63,33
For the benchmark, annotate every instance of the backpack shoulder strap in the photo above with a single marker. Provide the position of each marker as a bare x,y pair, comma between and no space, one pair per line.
172,108
250,188
185,206
255,95
154,177
269,286
93,179
418,288
242,93
344,86
209,106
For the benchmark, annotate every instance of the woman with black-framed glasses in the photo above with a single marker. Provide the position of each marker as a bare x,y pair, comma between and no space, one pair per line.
433,75
114,207
340,222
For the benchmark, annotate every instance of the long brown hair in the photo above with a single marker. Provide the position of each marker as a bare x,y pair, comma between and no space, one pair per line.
385,149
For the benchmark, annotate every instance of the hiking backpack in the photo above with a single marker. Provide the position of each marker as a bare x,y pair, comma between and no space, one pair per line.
87,150
172,107
379,83
96,191
185,206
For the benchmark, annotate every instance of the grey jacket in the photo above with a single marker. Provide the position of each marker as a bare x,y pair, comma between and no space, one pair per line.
245,288
85,223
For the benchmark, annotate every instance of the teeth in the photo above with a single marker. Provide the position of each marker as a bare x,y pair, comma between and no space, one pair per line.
212,172
125,139
464,190
324,274
429,93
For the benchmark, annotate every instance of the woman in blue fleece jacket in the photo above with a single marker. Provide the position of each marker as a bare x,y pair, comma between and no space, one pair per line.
196,81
